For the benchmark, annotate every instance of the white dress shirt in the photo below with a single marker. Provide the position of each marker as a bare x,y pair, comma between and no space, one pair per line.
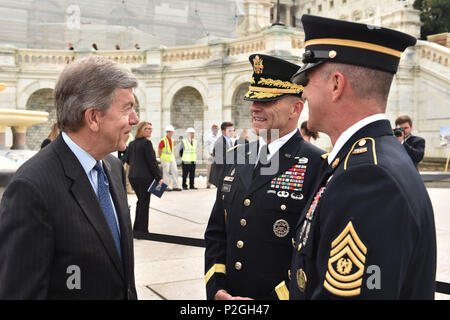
275,145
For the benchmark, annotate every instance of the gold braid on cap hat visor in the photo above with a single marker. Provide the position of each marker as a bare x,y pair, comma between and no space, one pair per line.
283,86
355,44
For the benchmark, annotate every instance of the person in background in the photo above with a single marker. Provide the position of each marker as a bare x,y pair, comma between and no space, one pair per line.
221,146
209,149
53,134
70,46
414,145
94,47
144,170
188,154
168,162
136,46
117,47
306,133
243,137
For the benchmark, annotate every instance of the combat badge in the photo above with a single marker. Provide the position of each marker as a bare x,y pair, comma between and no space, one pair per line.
296,196
281,228
346,264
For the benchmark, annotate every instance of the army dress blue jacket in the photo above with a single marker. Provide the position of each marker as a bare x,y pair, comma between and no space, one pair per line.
368,231
248,237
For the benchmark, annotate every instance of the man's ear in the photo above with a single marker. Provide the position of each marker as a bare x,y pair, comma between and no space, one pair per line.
337,83
297,108
92,119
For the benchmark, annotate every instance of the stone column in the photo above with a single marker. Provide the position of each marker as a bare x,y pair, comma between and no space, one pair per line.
19,137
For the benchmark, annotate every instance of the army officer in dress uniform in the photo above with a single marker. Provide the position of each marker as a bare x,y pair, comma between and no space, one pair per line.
248,237
368,232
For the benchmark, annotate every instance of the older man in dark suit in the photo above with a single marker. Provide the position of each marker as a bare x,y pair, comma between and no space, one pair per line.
65,230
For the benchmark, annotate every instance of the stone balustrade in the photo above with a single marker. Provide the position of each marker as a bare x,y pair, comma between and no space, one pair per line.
186,53
246,46
47,57
34,57
434,53
129,57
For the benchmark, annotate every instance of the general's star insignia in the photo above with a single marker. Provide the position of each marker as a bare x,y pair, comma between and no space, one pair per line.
346,264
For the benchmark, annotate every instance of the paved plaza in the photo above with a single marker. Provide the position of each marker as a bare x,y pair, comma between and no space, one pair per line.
176,272
171,271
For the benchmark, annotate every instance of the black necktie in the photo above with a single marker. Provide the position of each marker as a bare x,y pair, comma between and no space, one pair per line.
262,162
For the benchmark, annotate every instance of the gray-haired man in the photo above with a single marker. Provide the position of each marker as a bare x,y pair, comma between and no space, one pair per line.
65,230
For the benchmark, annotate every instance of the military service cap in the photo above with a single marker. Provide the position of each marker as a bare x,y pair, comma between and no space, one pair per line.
331,40
271,79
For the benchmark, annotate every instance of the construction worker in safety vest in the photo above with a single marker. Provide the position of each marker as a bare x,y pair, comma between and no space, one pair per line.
168,163
188,150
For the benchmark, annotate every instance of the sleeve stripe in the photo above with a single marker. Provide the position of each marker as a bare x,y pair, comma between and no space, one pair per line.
282,291
217,268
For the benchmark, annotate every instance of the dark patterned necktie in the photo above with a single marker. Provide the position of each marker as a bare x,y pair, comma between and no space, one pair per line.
262,162
106,204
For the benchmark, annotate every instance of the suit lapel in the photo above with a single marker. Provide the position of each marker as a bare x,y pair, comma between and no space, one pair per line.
85,196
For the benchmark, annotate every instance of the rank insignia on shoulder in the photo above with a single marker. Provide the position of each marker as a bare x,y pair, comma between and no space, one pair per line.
346,264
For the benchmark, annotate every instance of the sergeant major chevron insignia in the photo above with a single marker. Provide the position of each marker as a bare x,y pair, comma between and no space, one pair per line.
346,263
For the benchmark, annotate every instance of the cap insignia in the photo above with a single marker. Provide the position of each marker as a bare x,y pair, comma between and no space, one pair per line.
258,65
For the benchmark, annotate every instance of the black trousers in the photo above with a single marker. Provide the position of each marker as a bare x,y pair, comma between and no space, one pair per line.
140,187
188,169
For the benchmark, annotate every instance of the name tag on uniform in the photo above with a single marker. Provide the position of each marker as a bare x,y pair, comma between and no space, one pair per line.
226,187
228,179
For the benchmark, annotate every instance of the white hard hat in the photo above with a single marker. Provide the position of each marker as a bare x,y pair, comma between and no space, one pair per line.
190,130
170,128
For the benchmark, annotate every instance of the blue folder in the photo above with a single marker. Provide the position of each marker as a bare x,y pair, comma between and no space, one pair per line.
157,189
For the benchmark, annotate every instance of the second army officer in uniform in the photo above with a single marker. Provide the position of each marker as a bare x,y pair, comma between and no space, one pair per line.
248,237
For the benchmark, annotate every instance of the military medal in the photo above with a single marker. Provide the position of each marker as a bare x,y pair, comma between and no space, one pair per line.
281,228
292,179
304,233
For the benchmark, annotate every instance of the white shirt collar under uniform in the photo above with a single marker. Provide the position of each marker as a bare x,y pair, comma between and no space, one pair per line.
275,145
347,134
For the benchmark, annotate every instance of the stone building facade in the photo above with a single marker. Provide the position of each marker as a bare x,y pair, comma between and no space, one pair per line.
203,84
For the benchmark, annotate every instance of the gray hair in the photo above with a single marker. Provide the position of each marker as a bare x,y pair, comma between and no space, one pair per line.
88,83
